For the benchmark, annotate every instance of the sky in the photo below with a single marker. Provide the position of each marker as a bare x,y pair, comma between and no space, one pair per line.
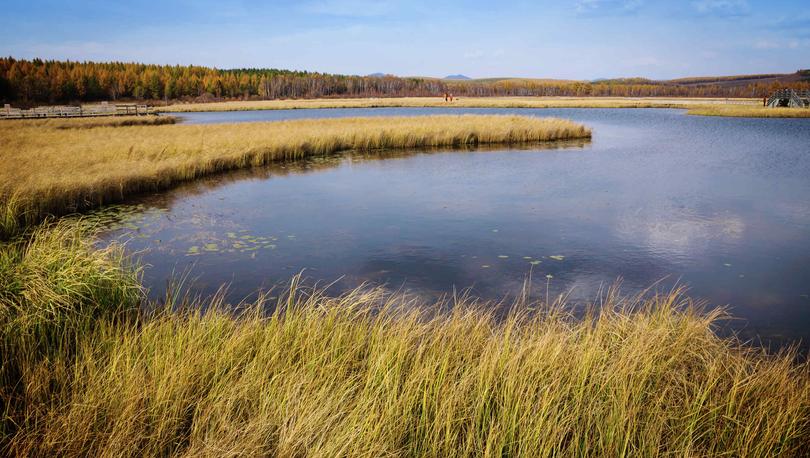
578,39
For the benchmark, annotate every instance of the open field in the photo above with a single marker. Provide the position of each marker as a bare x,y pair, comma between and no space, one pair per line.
48,169
87,371
464,102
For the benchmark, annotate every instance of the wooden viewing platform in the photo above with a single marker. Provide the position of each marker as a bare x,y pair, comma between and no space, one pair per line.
789,98
66,111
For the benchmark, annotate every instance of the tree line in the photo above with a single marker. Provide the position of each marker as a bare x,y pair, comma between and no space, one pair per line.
35,81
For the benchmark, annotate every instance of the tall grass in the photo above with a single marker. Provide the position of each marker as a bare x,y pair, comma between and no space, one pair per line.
51,170
373,374
463,102
749,111
55,288
109,121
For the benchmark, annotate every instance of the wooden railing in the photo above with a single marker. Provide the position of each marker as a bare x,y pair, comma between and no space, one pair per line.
65,111
789,98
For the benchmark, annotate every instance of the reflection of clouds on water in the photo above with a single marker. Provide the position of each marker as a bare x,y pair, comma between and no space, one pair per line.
679,234
579,288
794,212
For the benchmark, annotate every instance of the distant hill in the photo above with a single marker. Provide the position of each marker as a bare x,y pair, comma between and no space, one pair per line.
518,80
716,81
376,75
741,80
457,77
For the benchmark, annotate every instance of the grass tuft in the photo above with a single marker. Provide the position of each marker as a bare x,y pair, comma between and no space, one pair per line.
55,288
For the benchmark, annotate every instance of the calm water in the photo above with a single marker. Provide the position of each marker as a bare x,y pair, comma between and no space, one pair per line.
719,204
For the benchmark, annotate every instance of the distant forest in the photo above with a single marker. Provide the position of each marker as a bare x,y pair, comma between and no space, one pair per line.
28,82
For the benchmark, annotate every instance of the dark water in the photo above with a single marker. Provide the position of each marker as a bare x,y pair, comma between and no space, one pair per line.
719,204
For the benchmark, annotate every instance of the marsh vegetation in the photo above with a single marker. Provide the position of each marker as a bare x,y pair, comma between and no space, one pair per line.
747,108
89,369
462,102
749,111
91,366
46,168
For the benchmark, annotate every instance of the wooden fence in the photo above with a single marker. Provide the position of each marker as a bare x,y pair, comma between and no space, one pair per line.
65,111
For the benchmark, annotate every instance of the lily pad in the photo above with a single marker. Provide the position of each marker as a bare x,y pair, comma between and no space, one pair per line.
557,257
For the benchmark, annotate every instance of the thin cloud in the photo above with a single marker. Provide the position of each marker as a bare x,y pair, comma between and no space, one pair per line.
766,44
796,26
781,44
608,7
350,8
722,8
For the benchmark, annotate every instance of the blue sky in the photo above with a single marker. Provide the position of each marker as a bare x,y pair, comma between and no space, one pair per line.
579,39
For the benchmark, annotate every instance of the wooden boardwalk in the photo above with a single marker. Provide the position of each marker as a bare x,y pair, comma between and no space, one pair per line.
789,98
66,111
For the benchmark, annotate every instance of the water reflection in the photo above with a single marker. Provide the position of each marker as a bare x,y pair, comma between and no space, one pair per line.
718,204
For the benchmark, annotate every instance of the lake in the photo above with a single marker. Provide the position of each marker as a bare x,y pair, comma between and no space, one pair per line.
721,205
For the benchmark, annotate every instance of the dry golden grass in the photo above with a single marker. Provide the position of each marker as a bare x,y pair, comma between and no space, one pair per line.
47,169
464,102
87,372
92,122
749,111
111,121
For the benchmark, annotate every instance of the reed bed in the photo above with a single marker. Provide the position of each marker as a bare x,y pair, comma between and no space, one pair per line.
749,111
92,122
464,102
112,121
46,169
369,373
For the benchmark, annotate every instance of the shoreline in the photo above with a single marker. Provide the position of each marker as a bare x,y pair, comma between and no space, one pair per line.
694,106
77,169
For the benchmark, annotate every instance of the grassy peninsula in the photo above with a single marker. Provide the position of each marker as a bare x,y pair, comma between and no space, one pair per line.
47,168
